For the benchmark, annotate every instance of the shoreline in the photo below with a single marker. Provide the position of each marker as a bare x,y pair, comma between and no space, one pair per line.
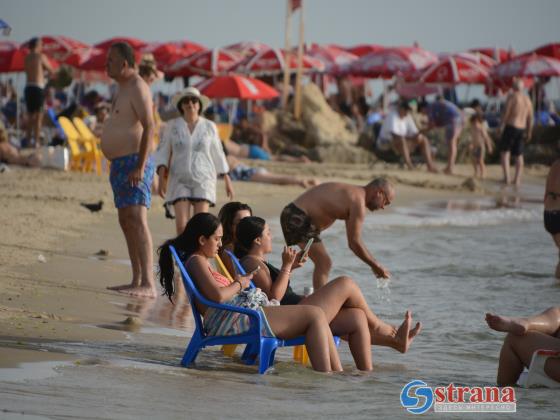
64,297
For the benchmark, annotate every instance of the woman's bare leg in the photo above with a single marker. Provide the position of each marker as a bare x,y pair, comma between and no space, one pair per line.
200,207
344,292
182,215
294,320
270,178
353,323
517,352
547,322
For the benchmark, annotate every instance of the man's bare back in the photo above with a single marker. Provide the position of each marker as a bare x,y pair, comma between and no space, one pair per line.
34,65
330,201
519,110
122,132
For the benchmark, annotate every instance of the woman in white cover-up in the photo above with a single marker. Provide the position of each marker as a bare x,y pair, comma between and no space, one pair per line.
192,155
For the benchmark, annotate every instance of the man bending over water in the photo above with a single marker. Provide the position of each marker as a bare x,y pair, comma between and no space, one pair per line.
127,143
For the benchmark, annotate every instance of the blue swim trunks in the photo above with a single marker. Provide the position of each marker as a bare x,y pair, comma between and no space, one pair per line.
257,152
125,195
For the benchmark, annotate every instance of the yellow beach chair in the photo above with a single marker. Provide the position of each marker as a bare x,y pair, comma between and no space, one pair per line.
90,141
81,159
224,131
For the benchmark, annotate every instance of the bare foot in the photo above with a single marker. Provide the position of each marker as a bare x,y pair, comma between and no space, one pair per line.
312,182
405,335
433,169
141,291
448,171
121,287
517,326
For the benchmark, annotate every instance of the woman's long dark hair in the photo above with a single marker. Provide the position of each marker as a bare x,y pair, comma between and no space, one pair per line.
248,229
201,224
226,215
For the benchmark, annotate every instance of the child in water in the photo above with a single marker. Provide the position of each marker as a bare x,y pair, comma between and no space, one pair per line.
480,142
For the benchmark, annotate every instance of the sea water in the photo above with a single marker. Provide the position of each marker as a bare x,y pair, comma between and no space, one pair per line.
451,261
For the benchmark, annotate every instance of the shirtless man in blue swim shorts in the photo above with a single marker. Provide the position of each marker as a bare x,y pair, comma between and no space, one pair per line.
127,143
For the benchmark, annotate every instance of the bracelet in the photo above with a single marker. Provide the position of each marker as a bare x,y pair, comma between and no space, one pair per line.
240,285
288,272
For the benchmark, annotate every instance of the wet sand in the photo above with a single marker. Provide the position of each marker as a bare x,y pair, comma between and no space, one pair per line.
54,285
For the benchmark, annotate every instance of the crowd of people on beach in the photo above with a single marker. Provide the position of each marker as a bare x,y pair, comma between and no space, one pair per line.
184,169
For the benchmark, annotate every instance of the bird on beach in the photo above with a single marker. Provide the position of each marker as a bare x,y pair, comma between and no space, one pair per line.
93,207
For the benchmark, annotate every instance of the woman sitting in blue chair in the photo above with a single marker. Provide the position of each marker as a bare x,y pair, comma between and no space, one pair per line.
200,242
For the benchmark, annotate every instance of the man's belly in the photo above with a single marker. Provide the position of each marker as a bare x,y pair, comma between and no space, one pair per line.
120,141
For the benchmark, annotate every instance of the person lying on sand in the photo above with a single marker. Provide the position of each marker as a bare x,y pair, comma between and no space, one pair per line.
241,172
525,336
12,156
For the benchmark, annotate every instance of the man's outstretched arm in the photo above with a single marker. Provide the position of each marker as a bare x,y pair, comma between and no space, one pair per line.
354,225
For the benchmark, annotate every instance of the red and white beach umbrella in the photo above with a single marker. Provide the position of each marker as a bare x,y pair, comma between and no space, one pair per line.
529,65
97,61
205,63
549,50
392,61
497,54
454,70
61,47
11,57
167,53
236,86
133,42
80,56
333,57
364,49
247,48
475,57
271,61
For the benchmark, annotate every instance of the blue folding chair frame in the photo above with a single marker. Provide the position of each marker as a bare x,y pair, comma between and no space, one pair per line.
257,344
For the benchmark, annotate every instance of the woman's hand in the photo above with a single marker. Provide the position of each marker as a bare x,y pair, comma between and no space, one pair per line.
299,260
244,280
288,257
229,187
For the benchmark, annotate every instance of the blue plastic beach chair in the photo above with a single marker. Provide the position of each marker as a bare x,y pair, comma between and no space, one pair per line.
257,345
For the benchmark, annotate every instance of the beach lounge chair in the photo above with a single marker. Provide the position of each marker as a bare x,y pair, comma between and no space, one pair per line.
536,376
258,346
224,131
90,141
80,159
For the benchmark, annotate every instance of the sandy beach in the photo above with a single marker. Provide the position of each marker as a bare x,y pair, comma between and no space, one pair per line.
54,281
62,330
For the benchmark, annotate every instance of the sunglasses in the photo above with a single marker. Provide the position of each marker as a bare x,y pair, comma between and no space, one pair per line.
191,99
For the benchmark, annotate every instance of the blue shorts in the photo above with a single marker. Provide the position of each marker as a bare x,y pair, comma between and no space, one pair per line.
125,195
256,152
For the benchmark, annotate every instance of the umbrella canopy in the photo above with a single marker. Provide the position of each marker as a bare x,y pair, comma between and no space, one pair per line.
271,61
133,42
236,86
60,47
332,57
5,28
475,57
79,57
11,57
497,54
97,60
204,63
392,61
364,49
529,65
247,48
167,53
549,50
454,70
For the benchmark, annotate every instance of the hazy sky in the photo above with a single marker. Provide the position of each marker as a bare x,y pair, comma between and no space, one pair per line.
438,25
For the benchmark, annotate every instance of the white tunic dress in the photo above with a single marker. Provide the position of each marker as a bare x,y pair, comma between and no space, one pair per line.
194,160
